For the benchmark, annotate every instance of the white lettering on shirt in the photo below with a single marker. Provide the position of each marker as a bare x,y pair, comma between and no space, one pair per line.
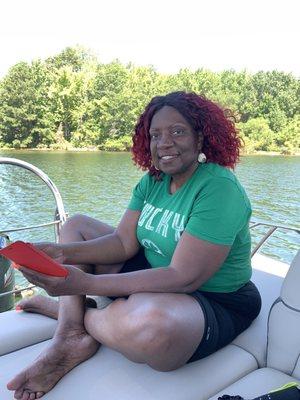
178,226
164,223
148,225
146,212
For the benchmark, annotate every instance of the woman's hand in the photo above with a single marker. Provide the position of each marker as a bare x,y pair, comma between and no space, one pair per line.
75,283
53,250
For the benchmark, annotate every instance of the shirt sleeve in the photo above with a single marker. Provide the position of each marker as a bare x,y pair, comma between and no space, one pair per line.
139,194
219,212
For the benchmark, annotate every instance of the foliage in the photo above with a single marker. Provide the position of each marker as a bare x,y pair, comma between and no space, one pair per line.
72,100
25,107
257,134
288,140
123,143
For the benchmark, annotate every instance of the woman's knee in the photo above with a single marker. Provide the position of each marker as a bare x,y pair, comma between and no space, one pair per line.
148,330
75,223
86,227
142,327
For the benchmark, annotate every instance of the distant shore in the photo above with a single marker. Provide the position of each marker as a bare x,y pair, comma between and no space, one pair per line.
95,149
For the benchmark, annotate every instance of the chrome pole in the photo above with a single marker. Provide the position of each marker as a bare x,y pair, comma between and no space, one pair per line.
60,213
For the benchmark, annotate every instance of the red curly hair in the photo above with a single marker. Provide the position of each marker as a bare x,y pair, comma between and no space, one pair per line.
221,143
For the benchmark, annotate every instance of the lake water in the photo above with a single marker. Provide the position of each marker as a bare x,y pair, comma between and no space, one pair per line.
100,184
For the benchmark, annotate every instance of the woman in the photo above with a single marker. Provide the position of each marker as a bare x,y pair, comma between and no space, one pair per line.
183,247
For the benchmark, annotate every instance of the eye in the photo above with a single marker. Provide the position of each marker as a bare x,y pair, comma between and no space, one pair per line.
154,135
178,132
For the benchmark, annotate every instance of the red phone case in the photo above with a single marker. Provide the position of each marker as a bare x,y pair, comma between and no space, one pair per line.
28,256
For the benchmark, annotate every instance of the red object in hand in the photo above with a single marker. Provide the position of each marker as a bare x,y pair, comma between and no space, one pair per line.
26,255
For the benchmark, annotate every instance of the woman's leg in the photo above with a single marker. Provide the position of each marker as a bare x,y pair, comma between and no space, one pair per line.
162,330
76,229
59,357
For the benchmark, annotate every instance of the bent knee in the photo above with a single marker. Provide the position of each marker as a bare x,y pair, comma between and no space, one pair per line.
85,227
138,326
76,222
149,330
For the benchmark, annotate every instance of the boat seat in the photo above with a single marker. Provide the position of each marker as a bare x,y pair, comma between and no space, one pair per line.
111,376
283,343
20,329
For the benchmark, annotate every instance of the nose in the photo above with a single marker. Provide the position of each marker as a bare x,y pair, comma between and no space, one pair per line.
165,140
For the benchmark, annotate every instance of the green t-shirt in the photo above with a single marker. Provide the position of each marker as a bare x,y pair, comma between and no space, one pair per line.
212,205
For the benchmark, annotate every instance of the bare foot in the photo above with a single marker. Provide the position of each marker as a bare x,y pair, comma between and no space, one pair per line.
46,306
63,354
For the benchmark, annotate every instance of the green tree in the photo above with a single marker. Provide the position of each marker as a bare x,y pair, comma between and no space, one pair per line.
74,57
275,91
73,100
68,93
104,101
288,140
236,92
25,112
257,135
208,83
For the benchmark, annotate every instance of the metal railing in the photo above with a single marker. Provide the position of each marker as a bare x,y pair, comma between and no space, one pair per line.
272,229
60,215
17,291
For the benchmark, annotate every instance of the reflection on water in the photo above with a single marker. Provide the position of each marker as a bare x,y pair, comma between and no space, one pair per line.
100,185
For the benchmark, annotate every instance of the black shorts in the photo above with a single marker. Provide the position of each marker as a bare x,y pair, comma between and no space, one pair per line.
226,314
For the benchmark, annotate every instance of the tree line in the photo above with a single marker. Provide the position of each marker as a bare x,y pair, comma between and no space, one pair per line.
72,100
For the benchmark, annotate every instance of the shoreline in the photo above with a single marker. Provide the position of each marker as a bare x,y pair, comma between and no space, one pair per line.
96,150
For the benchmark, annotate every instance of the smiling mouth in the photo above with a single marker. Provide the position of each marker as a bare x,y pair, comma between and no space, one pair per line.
168,157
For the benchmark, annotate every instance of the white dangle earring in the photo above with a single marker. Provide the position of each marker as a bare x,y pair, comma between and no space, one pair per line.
202,158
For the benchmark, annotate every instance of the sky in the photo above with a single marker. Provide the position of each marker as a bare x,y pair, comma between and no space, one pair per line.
167,34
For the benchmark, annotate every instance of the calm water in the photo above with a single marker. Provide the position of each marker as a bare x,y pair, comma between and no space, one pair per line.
100,184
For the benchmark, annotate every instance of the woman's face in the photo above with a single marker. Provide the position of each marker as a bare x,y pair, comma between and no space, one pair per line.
174,145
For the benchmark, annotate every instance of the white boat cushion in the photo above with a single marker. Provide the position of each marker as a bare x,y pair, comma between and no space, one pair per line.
283,338
110,376
290,292
19,329
283,350
296,371
257,383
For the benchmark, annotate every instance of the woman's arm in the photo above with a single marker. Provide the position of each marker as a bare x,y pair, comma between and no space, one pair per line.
193,263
